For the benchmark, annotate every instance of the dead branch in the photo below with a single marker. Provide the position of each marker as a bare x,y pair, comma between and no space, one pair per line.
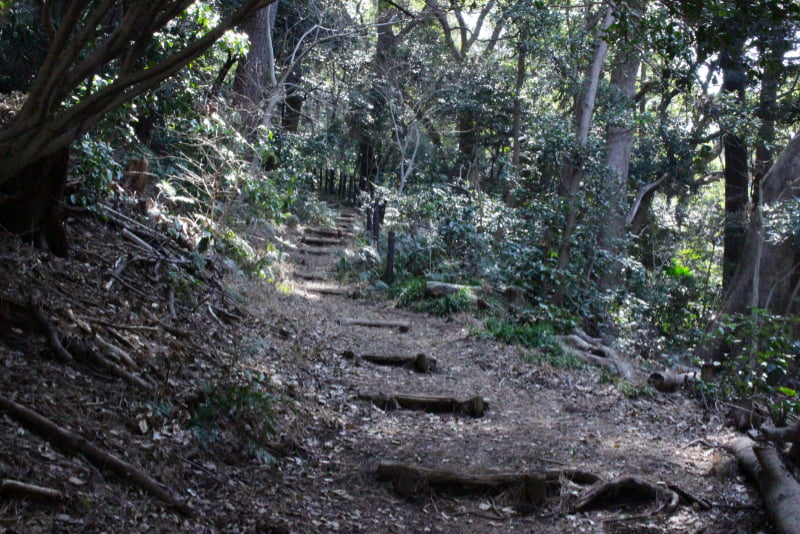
596,354
114,352
103,459
86,352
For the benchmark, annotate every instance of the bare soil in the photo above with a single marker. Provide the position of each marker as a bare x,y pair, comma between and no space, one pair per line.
199,330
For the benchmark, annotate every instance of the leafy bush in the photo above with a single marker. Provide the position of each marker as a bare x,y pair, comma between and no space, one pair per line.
98,168
412,294
540,335
762,360
239,412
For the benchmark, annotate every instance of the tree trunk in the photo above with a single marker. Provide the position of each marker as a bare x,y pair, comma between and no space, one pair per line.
572,173
252,72
516,129
31,202
764,277
736,171
619,139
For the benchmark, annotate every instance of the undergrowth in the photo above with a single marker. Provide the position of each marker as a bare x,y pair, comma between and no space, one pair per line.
412,294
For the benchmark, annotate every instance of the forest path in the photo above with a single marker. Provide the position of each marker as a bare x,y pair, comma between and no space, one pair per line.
539,418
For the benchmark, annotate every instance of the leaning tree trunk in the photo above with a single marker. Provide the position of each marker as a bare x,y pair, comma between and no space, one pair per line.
764,277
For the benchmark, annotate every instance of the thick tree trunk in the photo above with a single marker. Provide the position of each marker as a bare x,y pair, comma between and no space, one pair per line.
764,277
31,202
252,71
736,171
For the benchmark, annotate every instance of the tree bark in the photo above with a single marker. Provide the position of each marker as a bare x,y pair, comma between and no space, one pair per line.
778,488
572,172
619,140
764,275
736,169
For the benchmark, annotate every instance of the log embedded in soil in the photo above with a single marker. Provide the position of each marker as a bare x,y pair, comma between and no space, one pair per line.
419,363
668,381
103,459
473,407
321,241
529,488
441,289
404,326
778,488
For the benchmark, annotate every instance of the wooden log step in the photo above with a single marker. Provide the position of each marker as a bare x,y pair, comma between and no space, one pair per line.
528,488
311,276
317,251
419,363
321,241
473,407
327,232
322,290
403,326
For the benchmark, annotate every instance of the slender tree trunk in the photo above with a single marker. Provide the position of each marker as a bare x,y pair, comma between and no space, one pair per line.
516,129
572,173
619,140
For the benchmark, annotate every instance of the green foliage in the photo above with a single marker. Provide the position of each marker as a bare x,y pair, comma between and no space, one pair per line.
98,169
411,294
636,391
761,362
243,412
540,335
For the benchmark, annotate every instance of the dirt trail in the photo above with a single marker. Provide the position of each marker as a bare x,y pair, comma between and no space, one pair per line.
539,418
203,338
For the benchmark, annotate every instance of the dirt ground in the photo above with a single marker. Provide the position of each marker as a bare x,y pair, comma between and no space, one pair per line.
200,331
